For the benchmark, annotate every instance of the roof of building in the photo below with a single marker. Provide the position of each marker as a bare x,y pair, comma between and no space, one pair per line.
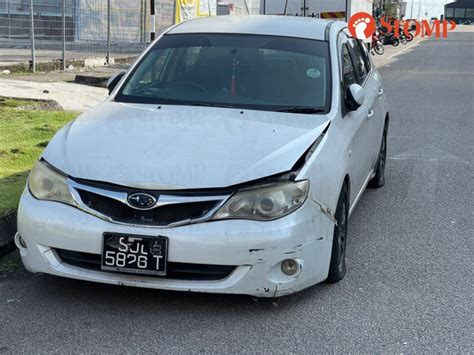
469,4
287,26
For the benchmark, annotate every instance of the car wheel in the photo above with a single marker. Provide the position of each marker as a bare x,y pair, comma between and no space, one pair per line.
379,179
337,266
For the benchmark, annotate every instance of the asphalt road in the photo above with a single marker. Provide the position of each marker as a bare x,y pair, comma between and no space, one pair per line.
409,286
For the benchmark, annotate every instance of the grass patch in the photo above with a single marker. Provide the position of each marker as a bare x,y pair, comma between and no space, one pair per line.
24,133
9,266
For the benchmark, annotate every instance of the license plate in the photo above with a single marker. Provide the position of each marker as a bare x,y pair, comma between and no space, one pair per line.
135,254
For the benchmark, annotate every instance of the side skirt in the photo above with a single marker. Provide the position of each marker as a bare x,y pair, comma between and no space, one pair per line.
361,191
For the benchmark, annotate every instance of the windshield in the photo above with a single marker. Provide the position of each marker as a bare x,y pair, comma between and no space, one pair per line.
240,71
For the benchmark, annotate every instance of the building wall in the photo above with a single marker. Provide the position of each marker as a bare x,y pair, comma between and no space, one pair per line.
460,11
425,9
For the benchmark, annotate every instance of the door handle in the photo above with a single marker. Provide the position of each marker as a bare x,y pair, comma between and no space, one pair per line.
380,92
370,114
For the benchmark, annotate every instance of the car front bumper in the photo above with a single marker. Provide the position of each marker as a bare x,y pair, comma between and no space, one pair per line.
255,248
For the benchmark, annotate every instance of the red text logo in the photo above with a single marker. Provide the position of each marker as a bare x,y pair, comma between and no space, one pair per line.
439,28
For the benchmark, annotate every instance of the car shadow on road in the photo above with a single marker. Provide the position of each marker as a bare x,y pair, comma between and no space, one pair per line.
134,299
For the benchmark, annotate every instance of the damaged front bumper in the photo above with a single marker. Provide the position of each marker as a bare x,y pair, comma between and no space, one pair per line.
256,249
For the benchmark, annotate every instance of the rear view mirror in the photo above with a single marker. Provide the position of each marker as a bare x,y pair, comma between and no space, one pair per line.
355,97
114,80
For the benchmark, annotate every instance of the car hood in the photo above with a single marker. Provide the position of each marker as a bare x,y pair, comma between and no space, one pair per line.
181,147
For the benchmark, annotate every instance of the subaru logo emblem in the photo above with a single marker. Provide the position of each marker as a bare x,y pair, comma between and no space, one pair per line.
142,201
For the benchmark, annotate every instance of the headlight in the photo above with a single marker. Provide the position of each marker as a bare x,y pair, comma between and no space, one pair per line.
265,203
46,184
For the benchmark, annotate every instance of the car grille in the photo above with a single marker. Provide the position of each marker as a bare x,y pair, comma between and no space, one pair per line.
161,216
175,271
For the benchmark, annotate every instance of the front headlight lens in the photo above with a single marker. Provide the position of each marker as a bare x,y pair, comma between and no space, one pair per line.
46,184
265,203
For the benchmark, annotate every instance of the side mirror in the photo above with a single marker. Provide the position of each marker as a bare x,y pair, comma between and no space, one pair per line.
114,80
355,96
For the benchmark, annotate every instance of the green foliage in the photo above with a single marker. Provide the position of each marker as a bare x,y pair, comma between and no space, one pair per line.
24,133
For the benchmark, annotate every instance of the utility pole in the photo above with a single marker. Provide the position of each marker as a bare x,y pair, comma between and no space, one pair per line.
108,31
64,36
419,11
411,11
32,32
153,21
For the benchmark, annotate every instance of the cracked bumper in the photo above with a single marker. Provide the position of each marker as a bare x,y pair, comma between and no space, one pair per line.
256,248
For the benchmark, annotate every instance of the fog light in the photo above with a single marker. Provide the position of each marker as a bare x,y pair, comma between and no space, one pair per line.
20,242
289,267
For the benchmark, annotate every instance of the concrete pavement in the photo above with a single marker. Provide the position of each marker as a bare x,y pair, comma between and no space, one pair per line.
72,97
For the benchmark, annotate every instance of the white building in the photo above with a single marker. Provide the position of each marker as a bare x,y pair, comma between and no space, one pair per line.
423,9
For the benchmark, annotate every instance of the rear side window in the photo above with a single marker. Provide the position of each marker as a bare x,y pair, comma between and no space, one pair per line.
360,62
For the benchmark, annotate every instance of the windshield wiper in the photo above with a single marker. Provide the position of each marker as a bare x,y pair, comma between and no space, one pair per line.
209,104
308,110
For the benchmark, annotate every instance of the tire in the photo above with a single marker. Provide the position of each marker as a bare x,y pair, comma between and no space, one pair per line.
337,265
395,42
410,38
379,49
379,179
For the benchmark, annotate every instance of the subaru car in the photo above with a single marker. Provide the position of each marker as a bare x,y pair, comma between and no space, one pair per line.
227,159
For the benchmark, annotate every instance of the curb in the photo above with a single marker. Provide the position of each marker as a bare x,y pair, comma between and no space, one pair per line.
56,64
44,104
7,233
98,81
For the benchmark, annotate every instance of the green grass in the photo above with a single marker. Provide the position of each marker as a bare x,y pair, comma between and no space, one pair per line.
24,133
9,265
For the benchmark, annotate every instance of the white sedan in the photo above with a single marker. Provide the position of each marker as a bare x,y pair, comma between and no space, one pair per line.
227,159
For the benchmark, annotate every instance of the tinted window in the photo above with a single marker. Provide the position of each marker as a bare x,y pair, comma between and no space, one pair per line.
359,60
348,71
244,71
459,13
365,54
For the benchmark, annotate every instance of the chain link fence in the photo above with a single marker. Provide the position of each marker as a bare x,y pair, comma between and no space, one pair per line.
53,34
65,31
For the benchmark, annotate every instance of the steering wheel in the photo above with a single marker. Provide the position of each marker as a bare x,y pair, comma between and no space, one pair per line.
189,84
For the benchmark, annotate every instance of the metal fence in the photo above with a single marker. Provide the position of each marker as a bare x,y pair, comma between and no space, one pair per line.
64,31
58,33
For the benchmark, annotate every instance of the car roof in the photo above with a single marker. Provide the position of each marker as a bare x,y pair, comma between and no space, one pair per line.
286,26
